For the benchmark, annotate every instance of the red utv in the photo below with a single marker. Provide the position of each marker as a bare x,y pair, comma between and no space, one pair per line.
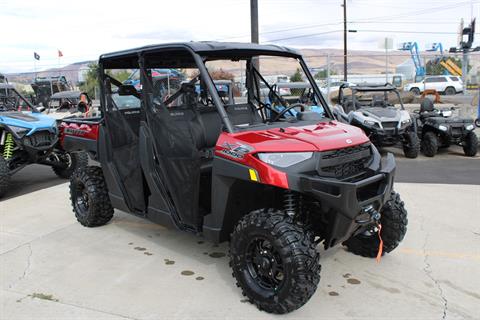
274,183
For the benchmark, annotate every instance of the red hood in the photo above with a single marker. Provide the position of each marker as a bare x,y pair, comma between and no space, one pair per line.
321,137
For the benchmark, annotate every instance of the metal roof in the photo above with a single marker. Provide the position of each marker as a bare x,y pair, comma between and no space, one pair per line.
209,48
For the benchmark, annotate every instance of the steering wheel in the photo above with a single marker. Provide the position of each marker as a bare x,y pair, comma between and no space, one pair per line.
287,109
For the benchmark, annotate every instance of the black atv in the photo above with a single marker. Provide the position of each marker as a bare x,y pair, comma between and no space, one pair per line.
272,183
370,107
28,137
438,129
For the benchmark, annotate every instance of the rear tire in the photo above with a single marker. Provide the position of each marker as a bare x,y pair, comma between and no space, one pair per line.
477,122
89,196
429,144
470,144
450,91
411,145
274,261
4,176
74,161
415,91
394,227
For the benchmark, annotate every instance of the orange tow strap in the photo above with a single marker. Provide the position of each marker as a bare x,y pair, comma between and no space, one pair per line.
380,246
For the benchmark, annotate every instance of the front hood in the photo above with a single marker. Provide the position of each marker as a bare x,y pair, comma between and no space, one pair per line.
321,137
381,114
29,120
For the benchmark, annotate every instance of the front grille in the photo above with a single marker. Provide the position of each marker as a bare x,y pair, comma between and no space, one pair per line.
344,163
40,139
389,125
457,131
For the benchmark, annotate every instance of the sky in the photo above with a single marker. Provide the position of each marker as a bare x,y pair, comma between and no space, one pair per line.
83,30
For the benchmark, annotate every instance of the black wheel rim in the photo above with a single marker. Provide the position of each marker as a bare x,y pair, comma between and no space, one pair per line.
264,264
81,198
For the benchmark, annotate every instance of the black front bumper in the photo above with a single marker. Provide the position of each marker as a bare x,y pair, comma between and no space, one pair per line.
349,200
386,137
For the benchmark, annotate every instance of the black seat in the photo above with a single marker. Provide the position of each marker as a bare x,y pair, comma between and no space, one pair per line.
242,114
426,106
378,101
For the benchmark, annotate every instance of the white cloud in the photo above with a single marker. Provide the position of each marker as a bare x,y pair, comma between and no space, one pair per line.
85,29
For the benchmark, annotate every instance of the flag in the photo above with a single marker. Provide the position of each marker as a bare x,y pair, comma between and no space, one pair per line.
36,56
60,54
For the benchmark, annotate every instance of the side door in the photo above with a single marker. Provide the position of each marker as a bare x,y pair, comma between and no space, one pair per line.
118,143
168,139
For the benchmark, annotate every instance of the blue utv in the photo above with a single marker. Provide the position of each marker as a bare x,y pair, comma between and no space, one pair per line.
27,136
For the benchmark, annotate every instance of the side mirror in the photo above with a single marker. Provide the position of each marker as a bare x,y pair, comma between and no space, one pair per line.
127,90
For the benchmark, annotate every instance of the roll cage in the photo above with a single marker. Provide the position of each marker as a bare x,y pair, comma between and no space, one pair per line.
196,54
382,88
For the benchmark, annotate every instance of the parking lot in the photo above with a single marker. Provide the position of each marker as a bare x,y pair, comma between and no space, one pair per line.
52,267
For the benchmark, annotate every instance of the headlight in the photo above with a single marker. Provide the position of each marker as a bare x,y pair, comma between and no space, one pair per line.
369,123
19,131
443,128
405,122
284,160
469,127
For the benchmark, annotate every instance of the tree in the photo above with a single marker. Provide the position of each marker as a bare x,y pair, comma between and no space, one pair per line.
221,75
91,80
322,74
297,76
122,75
434,67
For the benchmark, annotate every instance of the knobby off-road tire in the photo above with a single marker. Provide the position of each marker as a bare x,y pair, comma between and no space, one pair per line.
77,160
411,145
429,144
470,144
89,197
269,238
4,176
394,226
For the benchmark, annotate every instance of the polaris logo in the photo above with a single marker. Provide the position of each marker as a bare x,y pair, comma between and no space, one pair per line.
348,141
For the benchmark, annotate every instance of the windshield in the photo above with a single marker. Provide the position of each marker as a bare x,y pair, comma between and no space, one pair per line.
277,87
374,99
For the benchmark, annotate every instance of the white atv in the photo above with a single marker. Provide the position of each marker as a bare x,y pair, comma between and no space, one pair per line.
368,107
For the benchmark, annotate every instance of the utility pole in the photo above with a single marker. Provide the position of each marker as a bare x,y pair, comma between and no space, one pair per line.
254,20
344,40
254,28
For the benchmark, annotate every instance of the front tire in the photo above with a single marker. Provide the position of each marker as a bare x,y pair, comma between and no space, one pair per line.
411,145
89,196
274,261
470,144
4,176
394,227
73,161
429,144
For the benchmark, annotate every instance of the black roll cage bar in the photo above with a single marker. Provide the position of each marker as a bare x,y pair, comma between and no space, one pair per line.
200,64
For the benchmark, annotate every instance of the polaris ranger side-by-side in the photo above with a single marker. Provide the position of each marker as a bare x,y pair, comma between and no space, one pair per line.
274,186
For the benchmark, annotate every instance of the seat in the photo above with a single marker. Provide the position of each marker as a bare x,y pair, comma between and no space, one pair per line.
378,101
427,109
242,114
